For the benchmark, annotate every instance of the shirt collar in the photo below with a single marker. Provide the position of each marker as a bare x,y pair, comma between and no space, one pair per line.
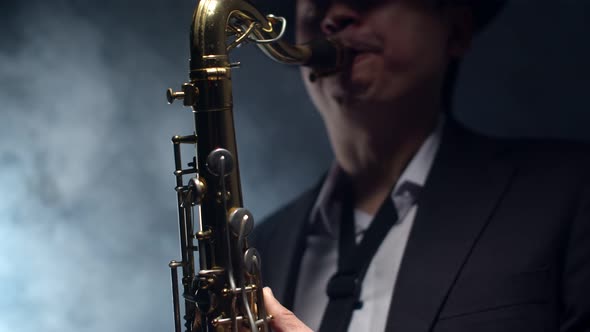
415,174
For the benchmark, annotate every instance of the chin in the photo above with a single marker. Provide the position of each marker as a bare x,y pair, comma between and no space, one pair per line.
362,95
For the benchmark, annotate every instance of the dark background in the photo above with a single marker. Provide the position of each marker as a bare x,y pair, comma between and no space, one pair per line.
87,207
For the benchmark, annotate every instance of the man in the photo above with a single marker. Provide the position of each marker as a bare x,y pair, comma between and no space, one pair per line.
421,225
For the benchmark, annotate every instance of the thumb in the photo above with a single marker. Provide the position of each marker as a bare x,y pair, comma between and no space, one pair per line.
283,319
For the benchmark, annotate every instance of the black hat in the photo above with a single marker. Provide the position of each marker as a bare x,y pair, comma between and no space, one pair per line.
484,11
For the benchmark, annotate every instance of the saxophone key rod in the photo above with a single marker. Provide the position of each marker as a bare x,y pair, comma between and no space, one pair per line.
175,298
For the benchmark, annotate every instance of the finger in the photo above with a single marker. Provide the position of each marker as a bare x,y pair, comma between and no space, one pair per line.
283,319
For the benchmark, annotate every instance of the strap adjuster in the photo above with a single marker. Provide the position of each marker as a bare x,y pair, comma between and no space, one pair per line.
343,285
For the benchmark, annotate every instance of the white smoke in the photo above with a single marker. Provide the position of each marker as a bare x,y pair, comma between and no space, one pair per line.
74,238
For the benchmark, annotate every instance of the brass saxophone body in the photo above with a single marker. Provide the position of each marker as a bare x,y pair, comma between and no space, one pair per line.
225,292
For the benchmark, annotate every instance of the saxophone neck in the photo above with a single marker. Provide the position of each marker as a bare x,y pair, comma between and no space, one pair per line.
216,21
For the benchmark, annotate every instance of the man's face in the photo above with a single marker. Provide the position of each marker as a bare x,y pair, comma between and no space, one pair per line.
400,51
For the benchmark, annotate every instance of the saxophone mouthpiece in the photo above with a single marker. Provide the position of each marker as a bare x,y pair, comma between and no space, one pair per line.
327,57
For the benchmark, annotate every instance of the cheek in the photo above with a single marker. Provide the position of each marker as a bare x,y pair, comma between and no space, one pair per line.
413,40
415,53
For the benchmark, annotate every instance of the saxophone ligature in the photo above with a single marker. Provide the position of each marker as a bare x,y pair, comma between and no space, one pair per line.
225,292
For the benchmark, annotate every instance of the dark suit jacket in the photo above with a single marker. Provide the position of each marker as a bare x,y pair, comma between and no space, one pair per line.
501,241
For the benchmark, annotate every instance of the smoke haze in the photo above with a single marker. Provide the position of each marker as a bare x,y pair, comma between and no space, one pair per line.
87,207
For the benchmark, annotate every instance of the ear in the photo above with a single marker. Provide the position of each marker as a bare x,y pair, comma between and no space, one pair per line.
461,23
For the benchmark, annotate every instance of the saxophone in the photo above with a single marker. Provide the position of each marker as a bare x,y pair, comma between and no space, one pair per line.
225,292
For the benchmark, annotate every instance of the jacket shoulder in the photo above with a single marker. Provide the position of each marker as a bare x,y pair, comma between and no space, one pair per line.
552,155
526,152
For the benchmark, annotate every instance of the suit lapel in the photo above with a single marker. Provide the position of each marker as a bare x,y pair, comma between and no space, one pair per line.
465,184
286,245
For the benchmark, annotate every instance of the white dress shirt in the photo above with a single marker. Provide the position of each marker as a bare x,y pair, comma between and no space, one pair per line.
320,258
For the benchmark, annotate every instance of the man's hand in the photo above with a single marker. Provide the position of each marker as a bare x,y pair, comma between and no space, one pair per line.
283,319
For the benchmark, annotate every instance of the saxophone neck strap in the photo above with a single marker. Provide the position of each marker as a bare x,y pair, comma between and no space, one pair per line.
344,287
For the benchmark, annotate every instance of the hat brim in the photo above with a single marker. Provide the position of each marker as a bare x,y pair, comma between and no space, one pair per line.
484,11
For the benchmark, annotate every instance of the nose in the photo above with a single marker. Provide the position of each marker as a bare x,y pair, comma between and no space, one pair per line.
338,17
